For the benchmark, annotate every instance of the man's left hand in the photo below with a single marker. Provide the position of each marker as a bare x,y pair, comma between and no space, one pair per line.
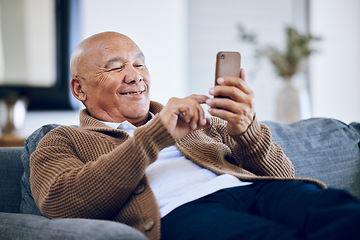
236,104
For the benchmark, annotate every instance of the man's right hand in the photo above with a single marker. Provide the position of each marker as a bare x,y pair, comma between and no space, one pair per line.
184,115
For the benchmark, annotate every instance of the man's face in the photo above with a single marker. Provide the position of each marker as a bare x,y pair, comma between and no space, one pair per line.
117,86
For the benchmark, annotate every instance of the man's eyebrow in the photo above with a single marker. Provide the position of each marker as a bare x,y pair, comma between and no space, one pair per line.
120,59
140,55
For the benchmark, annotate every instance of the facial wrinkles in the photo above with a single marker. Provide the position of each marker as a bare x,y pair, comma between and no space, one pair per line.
119,64
101,76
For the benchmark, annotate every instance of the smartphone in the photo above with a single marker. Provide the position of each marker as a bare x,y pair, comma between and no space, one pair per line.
227,64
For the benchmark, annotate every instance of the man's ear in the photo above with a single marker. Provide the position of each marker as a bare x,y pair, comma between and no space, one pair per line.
77,89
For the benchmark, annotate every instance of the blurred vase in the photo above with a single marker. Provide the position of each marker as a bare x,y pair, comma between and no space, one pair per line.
13,113
288,103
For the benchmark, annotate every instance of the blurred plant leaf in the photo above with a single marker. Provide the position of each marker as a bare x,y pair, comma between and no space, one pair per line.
287,63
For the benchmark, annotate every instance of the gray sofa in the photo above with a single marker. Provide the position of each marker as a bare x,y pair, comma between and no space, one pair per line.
320,148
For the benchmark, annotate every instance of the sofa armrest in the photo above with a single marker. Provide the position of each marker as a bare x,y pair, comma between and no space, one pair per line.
27,227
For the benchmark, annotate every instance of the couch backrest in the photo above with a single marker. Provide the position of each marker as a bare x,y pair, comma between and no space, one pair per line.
11,170
324,149
28,205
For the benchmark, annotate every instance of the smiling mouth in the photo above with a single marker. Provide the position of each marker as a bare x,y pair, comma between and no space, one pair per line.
132,93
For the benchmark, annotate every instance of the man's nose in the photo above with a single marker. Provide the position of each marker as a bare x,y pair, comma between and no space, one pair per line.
132,75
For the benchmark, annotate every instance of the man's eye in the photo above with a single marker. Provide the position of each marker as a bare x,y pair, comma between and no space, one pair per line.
139,65
117,68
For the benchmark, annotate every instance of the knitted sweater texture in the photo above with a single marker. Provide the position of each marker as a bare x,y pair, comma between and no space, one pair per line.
97,172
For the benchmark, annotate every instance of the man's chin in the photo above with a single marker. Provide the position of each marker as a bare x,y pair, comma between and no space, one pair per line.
138,119
134,100
137,113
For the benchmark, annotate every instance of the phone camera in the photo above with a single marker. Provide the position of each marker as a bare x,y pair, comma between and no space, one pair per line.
222,56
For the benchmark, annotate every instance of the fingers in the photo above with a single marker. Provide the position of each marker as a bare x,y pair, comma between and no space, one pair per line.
230,87
236,104
237,107
189,115
243,119
181,116
192,112
230,110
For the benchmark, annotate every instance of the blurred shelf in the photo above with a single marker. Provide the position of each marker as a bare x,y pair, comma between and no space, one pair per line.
11,141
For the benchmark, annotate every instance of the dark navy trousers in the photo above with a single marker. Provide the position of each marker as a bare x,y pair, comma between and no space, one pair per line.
267,210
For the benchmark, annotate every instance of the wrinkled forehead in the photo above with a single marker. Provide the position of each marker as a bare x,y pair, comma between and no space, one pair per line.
114,45
126,50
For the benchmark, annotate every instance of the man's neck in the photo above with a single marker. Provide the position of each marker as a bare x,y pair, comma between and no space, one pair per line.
138,124
141,122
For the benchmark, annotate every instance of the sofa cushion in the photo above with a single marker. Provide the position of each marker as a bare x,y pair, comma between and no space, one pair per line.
27,201
324,149
11,170
26,227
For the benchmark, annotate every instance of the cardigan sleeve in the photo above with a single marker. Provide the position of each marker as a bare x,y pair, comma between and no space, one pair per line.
63,184
257,153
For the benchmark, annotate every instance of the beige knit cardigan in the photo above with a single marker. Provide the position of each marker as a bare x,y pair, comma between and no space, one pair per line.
97,172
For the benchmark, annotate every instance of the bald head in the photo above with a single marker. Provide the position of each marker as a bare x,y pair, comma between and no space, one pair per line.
91,49
109,76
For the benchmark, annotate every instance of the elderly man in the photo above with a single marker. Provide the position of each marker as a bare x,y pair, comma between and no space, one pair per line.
167,170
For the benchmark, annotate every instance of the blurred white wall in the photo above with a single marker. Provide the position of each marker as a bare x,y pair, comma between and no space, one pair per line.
335,72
